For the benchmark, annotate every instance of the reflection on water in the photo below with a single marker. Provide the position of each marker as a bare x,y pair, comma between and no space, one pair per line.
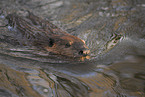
113,30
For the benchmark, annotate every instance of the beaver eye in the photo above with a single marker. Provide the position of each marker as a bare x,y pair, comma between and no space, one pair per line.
51,42
67,45
81,52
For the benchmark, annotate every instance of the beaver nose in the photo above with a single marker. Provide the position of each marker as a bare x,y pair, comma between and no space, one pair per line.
84,52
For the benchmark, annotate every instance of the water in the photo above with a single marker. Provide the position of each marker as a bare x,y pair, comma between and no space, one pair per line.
114,32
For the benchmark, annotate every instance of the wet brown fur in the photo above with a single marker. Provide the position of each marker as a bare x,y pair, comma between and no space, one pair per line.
41,33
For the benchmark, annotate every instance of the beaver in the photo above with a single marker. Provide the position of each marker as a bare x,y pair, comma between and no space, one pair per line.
38,32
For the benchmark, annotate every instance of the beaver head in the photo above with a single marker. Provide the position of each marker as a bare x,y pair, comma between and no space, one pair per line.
67,45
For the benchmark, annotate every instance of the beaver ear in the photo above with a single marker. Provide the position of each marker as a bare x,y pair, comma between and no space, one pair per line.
51,42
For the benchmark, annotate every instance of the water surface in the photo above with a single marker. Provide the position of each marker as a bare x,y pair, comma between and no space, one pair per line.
113,30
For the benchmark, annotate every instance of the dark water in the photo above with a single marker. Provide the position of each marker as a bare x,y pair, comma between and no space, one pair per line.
114,30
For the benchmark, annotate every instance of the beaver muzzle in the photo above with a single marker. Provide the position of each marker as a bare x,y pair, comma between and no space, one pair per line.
84,52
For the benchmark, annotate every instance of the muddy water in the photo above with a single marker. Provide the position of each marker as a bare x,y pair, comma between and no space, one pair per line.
114,31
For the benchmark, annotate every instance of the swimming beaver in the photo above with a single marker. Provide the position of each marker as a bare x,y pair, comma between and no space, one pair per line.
38,32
